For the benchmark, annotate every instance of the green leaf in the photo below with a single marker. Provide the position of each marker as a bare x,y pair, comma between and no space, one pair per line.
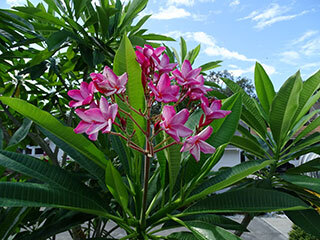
247,200
173,157
135,7
306,142
205,231
183,49
264,87
116,186
139,24
93,168
182,236
248,145
56,39
284,107
103,21
13,217
62,221
310,166
228,177
193,54
40,14
313,125
51,124
49,174
213,219
78,6
250,111
224,129
40,57
156,37
125,61
310,183
39,195
21,133
308,220
210,65
307,97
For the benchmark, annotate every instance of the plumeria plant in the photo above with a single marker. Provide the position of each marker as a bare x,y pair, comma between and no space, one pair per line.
146,169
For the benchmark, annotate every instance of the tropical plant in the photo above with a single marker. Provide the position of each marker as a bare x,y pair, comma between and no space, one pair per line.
280,127
172,189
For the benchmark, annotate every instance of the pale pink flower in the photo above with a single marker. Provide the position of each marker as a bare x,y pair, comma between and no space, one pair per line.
164,91
187,76
196,144
84,96
164,66
109,83
213,111
198,90
147,55
97,119
173,123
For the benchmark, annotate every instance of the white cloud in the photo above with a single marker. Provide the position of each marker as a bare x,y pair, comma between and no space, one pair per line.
239,71
171,12
311,65
234,3
312,47
181,2
290,57
227,54
274,13
305,36
15,2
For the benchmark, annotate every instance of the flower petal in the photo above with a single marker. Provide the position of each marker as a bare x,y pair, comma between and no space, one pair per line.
168,112
180,118
206,133
195,151
82,127
206,147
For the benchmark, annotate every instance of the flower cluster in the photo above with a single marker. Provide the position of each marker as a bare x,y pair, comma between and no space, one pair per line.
163,83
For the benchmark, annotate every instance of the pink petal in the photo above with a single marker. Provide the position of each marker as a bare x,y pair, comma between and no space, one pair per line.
205,147
173,133
108,127
81,113
112,78
75,104
186,68
195,151
82,127
75,94
94,136
159,50
194,73
163,83
216,105
123,79
168,112
113,110
96,127
104,106
84,89
180,118
95,115
183,131
206,133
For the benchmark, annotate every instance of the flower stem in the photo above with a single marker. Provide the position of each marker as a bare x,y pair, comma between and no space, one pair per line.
169,145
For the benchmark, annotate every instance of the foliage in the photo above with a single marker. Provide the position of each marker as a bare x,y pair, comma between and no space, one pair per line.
176,188
243,82
280,128
298,234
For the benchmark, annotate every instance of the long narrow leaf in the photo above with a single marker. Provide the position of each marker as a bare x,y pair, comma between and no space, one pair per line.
284,107
45,120
264,87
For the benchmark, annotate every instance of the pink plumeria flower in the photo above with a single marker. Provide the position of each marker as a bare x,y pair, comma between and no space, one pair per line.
173,123
198,90
164,91
109,83
164,66
84,96
197,144
97,119
212,111
147,55
187,76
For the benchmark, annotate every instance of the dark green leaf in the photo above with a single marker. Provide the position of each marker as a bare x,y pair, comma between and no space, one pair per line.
310,183
21,133
210,65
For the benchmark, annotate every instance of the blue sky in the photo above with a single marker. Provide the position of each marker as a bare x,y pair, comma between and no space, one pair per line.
283,35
